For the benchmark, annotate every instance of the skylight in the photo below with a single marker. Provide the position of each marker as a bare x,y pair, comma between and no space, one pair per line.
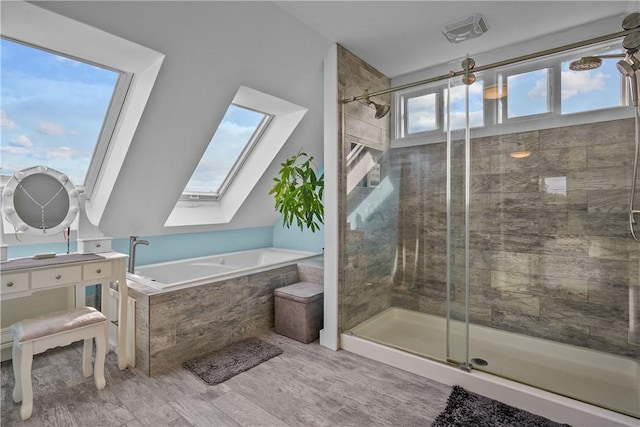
248,139
53,111
237,134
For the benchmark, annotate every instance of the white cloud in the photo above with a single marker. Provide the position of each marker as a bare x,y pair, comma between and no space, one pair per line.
581,82
21,141
6,122
421,122
11,149
51,128
424,102
65,152
539,90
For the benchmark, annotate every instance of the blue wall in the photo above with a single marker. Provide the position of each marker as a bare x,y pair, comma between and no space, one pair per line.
294,238
170,247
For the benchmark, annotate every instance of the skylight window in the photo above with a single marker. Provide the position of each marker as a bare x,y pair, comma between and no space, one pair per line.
237,134
55,111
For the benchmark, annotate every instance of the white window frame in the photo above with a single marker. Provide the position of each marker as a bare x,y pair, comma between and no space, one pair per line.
39,27
115,108
285,118
439,90
237,165
498,123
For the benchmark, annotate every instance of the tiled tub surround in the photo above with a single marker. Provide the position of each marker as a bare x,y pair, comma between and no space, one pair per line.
191,271
175,325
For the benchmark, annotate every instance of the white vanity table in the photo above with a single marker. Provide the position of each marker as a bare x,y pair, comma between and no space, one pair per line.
23,277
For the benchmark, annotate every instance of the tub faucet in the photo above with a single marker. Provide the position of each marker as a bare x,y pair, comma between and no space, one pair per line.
133,242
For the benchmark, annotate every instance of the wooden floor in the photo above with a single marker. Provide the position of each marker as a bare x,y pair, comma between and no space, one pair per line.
308,385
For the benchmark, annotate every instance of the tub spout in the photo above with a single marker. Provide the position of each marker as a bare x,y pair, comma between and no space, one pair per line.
133,242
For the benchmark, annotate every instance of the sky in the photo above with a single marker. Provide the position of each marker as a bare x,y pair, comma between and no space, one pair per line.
234,132
51,110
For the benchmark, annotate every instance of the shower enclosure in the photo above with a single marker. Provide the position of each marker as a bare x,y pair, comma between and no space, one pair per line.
489,230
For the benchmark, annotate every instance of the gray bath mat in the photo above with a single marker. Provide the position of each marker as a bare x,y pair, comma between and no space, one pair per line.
466,409
233,359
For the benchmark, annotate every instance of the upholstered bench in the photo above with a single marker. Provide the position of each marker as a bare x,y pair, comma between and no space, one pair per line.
36,335
299,311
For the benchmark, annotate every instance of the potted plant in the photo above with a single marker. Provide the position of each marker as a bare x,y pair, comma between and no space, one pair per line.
298,192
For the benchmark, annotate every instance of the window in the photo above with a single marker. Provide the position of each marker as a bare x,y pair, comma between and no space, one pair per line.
237,134
248,139
421,113
459,106
425,111
593,89
528,95
56,111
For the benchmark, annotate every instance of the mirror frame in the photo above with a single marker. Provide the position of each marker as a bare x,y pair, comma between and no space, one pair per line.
15,218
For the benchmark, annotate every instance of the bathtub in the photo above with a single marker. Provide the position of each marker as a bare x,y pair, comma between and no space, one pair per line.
404,338
194,271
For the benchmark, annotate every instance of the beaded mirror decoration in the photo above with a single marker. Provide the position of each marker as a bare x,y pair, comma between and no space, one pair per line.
40,200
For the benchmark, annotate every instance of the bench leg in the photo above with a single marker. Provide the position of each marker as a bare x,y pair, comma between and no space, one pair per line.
26,359
16,358
101,345
87,349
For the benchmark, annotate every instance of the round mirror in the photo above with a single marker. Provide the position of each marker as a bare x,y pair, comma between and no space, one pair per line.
40,200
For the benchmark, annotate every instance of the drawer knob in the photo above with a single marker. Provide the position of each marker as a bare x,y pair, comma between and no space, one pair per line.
10,284
58,276
99,271
98,245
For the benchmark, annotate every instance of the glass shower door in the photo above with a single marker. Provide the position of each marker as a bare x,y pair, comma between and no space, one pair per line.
458,106
552,264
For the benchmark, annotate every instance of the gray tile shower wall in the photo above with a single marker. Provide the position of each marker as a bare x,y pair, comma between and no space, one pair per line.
367,230
551,254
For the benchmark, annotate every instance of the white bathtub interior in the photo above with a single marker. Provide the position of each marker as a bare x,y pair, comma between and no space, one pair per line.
196,270
586,375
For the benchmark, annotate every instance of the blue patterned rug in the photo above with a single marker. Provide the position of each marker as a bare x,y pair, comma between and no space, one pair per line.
465,409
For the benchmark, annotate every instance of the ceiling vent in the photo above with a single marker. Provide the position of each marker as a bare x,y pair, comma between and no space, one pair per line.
465,29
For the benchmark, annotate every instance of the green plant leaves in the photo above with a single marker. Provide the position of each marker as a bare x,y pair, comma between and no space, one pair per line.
298,193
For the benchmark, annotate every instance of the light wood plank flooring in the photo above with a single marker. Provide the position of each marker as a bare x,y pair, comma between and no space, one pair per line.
308,385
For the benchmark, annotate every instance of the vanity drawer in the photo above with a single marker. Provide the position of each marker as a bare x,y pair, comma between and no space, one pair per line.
99,270
63,275
18,282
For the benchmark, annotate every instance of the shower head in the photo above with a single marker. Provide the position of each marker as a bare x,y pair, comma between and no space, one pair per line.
586,63
631,21
381,109
631,41
629,70
625,68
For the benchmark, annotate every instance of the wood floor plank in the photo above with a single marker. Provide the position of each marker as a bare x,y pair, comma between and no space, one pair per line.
306,386
245,412
201,412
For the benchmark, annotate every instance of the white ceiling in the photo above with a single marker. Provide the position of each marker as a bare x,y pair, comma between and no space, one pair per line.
398,37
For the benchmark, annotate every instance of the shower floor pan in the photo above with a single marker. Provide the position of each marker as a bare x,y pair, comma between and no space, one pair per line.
594,377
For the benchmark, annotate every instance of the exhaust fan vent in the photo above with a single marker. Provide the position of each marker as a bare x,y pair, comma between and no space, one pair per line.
465,29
